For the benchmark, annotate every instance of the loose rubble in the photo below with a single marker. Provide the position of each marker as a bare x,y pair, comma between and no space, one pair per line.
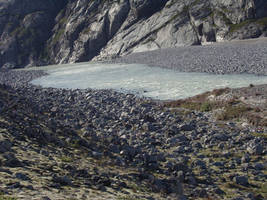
101,144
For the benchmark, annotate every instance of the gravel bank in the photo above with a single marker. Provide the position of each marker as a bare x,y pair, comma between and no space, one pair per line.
16,78
249,56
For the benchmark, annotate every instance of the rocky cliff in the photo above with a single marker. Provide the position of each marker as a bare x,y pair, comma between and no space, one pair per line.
57,31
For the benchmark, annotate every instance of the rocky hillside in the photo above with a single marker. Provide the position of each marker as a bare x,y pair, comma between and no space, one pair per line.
99,144
57,31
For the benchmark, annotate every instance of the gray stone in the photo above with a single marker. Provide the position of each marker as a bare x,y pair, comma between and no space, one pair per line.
238,198
259,166
97,155
22,176
149,127
186,127
180,176
62,180
220,136
219,191
199,163
241,180
202,193
11,161
245,158
5,145
192,180
45,198
218,164
256,149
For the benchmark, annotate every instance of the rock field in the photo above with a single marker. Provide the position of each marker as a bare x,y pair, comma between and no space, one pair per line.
100,144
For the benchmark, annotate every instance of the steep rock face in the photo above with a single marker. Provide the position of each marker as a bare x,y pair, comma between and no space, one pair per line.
182,23
25,26
85,27
36,33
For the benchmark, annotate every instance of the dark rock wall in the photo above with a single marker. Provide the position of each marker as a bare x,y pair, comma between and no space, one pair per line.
60,31
25,26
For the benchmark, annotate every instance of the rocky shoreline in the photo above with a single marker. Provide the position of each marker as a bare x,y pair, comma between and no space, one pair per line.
100,144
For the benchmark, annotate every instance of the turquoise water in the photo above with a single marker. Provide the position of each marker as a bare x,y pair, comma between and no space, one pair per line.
154,82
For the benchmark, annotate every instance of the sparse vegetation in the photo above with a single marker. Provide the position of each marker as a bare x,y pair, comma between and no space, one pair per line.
128,197
262,21
232,112
61,24
218,92
235,27
66,159
263,190
206,107
63,21
87,30
230,109
262,135
4,197
57,36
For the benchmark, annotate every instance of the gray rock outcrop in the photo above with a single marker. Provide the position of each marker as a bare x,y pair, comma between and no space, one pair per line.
48,32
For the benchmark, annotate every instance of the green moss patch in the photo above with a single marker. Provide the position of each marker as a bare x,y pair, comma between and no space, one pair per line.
261,22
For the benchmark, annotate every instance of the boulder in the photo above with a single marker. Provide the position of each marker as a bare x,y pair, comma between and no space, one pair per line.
241,180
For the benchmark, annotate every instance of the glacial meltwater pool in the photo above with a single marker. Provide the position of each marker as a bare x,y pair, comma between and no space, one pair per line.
154,82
